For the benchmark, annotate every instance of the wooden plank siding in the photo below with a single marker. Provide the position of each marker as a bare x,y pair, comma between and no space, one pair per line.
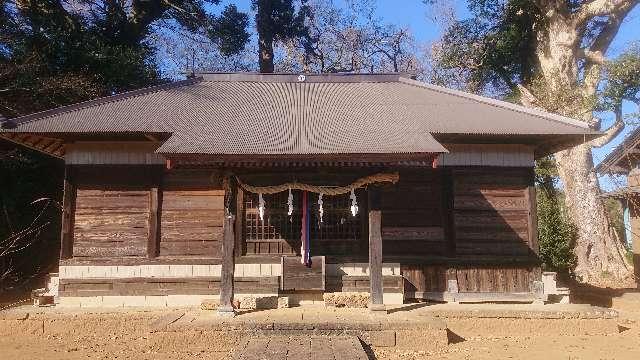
491,211
192,223
472,279
111,223
413,218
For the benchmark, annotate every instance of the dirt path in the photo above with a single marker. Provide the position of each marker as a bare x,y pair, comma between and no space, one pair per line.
129,335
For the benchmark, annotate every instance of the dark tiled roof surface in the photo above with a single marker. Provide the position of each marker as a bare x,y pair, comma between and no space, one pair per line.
617,162
279,114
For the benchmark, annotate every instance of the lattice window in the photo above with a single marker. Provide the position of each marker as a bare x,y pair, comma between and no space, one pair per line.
280,233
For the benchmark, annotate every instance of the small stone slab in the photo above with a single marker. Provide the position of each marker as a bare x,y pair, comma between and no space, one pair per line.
300,348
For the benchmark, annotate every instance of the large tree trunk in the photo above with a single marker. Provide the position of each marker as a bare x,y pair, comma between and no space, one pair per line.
265,26
600,254
265,47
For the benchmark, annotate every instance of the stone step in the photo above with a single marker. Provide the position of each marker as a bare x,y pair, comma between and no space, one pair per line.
300,348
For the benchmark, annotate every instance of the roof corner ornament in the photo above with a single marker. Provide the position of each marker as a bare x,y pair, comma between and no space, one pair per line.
7,123
302,78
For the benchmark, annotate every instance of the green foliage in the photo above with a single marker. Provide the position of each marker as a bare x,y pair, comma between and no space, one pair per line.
278,20
25,177
615,214
494,47
556,232
52,55
622,79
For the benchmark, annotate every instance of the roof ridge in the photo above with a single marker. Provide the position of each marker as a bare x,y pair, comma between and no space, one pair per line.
102,100
301,77
499,103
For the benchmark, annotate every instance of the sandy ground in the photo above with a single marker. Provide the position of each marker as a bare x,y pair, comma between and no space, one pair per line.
127,335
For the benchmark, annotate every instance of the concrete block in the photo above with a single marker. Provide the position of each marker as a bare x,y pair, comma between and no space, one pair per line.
346,268
154,271
283,302
276,269
69,302
123,272
113,301
185,300
134,301
98,272
156,301
91,301
202,270
452,286
76,272
251,270
393,298
259,302
216,270
239,270
180,271
549,282
265,269
361,269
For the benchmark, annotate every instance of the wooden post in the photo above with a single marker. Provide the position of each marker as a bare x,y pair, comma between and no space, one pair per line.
533,214
68,215
239,212
375,261
634,219
228,267
155,211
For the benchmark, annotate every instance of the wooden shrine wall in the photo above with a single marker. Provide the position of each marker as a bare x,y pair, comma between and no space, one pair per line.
491,211
192,214
490,232
413,214
111,211
111,223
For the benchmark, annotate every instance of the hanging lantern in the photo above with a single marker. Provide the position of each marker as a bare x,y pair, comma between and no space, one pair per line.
354,203
320,209
261,207
290,202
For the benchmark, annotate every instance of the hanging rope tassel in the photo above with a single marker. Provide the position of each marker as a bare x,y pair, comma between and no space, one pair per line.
261,207
290,203
354,203
304,233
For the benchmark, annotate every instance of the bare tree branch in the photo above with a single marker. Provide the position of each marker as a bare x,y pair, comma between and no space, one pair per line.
613,131
595,57
527,98
595,8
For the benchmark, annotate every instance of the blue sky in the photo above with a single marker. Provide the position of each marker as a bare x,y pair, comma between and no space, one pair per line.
416,15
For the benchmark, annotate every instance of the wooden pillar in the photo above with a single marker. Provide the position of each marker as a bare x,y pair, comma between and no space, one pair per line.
634,219
155,211
228,267
239,212
68,215
375,257
533,214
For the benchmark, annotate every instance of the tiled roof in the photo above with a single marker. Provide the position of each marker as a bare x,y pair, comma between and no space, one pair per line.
292,114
